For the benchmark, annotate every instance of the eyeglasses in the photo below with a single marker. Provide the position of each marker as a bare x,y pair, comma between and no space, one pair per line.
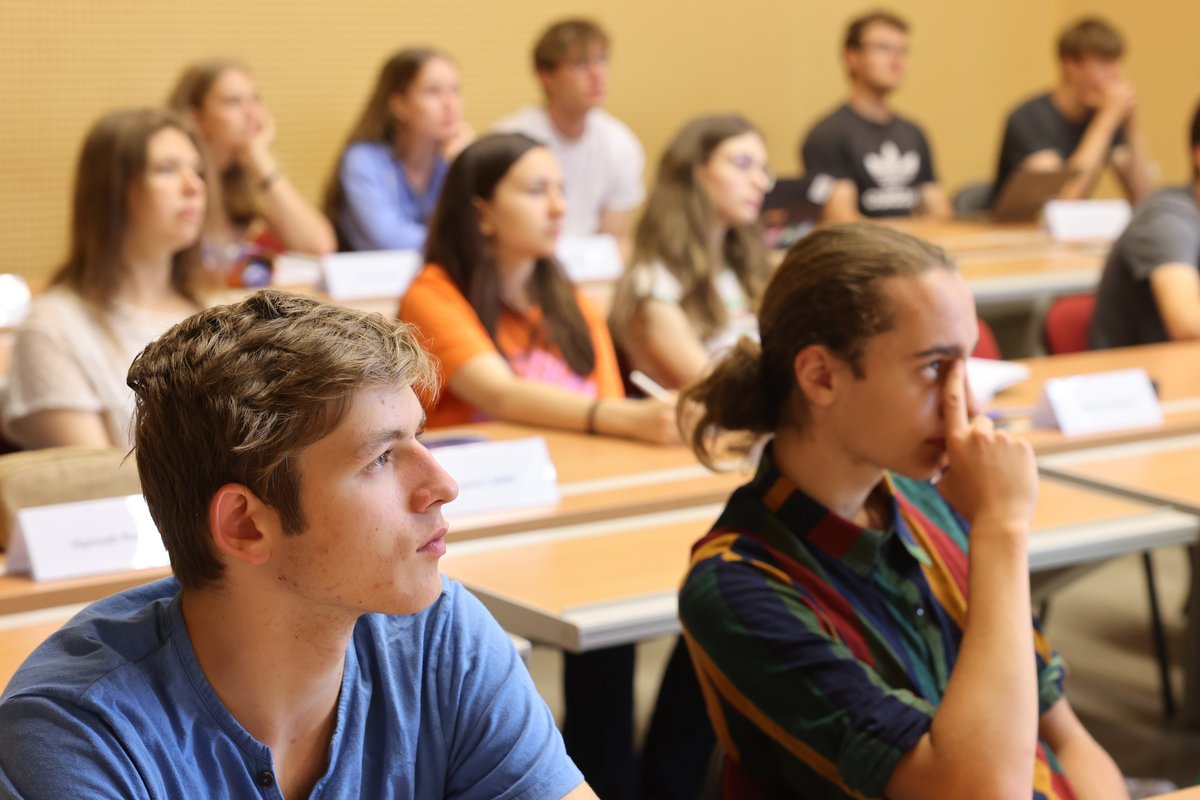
748,164
885,48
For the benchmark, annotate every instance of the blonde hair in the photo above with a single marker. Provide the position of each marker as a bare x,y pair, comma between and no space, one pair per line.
675,229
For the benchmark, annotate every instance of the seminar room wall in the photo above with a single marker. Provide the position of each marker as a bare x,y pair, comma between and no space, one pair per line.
776,61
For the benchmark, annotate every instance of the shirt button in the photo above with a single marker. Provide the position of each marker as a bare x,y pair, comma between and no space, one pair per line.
920,611
266,779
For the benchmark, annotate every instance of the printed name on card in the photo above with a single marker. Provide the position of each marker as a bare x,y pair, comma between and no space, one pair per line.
1099,402
1086,220
499,476
368,274
92,537
590,258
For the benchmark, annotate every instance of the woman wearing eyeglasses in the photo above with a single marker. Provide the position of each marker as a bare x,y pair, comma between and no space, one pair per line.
699,264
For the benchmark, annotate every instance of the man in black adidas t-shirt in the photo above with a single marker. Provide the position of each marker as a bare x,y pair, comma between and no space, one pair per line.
863,159
1086,122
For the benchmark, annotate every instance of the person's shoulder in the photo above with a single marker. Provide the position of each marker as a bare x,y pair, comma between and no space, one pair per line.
620,140
432,279
367,153
56,305
831,126
99,641
531,121
1038,106
1172,200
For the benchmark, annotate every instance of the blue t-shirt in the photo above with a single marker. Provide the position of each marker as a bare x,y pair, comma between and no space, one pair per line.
381,210
432,705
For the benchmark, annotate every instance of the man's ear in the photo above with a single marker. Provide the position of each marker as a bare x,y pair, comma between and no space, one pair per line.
817,371
544,77
243,527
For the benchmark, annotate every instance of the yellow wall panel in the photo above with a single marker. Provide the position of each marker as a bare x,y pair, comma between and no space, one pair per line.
776,61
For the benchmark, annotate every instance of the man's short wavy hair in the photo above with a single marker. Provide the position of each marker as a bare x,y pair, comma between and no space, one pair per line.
235,393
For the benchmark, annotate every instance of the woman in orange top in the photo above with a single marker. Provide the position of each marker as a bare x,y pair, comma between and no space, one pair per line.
515,340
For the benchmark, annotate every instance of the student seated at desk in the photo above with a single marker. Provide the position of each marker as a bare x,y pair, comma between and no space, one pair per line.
879,163
1089,120
699,264
133,269
514,340
391,169
827,611
258,199
600,156
307,644
1150,289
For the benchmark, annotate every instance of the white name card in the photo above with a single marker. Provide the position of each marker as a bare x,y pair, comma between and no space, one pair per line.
1086,220
69,540
375,273
15,298
590,258
989,376
295,269
498,476
1104,401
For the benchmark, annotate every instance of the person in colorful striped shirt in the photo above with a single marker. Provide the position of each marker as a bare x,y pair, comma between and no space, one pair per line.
826,611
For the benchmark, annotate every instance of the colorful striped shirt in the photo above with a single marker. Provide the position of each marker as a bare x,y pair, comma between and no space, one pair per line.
824,648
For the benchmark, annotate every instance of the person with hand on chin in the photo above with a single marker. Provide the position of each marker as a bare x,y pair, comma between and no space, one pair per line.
1085,123
826,612
259,200
307,645
390,173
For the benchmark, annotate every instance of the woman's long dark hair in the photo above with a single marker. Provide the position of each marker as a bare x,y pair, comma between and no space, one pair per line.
456,243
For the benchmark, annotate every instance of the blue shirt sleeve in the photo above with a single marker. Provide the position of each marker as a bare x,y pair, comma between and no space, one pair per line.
504,743
376,214
51,750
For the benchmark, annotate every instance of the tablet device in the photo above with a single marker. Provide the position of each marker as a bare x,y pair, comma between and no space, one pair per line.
1026,191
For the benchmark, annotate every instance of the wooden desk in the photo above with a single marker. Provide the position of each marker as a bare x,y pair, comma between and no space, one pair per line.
1174,366
20,593
1163,471
1022,276
19,636
1183,794
600,478
578,587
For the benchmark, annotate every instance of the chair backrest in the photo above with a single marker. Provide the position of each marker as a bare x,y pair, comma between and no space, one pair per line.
1065,329
62,475
987,346
973,198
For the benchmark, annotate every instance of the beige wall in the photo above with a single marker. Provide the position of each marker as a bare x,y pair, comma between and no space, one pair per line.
774,60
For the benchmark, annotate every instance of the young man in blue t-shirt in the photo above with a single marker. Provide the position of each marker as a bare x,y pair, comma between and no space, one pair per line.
307,645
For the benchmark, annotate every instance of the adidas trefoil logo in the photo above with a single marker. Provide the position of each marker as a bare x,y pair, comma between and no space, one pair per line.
890,168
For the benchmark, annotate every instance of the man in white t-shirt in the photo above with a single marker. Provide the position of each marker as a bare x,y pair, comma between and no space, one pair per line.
601,159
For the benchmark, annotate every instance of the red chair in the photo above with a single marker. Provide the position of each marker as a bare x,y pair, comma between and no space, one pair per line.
987,347
1065,329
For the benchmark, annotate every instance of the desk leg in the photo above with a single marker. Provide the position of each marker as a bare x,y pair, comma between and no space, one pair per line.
1191,665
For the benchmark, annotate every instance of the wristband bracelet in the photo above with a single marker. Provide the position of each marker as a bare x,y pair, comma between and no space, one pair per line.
269,179
590,424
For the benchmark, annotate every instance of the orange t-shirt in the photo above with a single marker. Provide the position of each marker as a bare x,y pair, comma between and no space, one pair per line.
452,331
